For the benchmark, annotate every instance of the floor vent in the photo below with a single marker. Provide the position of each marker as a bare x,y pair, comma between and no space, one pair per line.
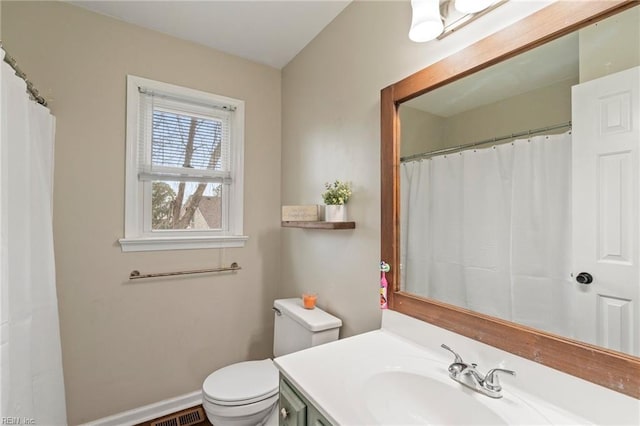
191,417
184,418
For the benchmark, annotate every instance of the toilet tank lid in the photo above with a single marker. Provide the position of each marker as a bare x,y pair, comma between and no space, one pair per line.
312,319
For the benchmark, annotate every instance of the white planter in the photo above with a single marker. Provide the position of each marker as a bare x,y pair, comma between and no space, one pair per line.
335,213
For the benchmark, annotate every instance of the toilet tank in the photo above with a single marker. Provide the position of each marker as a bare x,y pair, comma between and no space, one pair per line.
297,328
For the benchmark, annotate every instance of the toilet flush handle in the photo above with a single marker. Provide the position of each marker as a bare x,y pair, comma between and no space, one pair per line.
277,311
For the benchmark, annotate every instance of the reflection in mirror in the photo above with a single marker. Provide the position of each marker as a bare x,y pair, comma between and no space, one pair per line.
516,179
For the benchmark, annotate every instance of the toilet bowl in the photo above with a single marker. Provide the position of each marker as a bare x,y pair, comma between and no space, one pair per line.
246,393
242,394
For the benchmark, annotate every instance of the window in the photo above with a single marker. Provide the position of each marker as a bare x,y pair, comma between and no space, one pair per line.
184,168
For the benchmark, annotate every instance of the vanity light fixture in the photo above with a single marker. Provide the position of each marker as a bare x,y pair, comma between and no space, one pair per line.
426,22
433,19
472,6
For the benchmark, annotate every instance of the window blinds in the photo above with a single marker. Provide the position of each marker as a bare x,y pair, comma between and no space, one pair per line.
183,139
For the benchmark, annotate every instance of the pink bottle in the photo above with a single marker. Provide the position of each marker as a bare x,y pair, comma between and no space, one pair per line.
384,268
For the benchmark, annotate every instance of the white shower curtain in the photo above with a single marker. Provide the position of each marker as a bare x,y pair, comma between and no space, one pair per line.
30,358
490,230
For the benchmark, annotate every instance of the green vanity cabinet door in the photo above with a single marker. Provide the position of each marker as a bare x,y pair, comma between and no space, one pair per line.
298,411
292,409
314,418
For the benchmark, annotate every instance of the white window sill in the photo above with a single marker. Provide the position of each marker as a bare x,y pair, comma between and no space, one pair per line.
181,243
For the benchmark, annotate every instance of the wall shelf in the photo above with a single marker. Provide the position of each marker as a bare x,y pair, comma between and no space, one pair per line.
319,225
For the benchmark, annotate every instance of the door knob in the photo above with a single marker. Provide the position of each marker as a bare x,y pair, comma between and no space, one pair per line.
584,278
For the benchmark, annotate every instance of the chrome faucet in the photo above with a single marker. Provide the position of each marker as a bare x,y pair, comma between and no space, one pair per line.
469,376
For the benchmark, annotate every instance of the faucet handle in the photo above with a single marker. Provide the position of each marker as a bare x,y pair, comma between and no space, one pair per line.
458,359
491,380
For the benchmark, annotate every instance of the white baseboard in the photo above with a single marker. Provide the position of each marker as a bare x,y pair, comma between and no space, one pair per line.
151,411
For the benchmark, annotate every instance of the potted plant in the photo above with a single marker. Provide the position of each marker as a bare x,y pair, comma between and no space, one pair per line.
335,197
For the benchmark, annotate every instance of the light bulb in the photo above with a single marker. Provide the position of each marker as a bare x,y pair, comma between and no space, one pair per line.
472,6
426,23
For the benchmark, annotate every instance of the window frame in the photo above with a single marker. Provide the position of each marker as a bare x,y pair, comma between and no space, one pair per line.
137,233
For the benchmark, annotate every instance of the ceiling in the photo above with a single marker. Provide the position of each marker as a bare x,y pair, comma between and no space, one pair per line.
265,31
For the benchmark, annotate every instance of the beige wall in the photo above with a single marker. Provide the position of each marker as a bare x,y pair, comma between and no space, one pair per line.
420,131
547,106
127,344
331,130
539,108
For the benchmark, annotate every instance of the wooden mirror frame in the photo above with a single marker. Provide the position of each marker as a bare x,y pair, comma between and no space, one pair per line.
614,370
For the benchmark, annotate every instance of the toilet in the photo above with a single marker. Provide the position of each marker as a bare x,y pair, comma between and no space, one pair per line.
246,393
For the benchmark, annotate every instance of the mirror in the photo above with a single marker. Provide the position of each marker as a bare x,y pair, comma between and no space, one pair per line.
497,275
500,212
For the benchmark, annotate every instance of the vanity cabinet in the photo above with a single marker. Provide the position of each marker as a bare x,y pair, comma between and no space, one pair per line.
296,410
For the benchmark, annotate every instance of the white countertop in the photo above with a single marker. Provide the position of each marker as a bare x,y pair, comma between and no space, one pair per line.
322,374
327,375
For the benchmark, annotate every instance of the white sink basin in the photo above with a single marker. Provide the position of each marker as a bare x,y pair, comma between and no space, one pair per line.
418,391
420,400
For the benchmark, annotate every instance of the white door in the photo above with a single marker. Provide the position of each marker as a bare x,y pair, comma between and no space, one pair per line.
606,229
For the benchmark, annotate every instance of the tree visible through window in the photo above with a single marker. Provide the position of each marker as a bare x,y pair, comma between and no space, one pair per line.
189,142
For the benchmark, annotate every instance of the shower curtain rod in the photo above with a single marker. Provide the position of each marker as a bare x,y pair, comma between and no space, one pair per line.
429,154
33,92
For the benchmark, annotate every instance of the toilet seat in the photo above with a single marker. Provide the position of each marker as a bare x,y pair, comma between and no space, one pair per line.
242,383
